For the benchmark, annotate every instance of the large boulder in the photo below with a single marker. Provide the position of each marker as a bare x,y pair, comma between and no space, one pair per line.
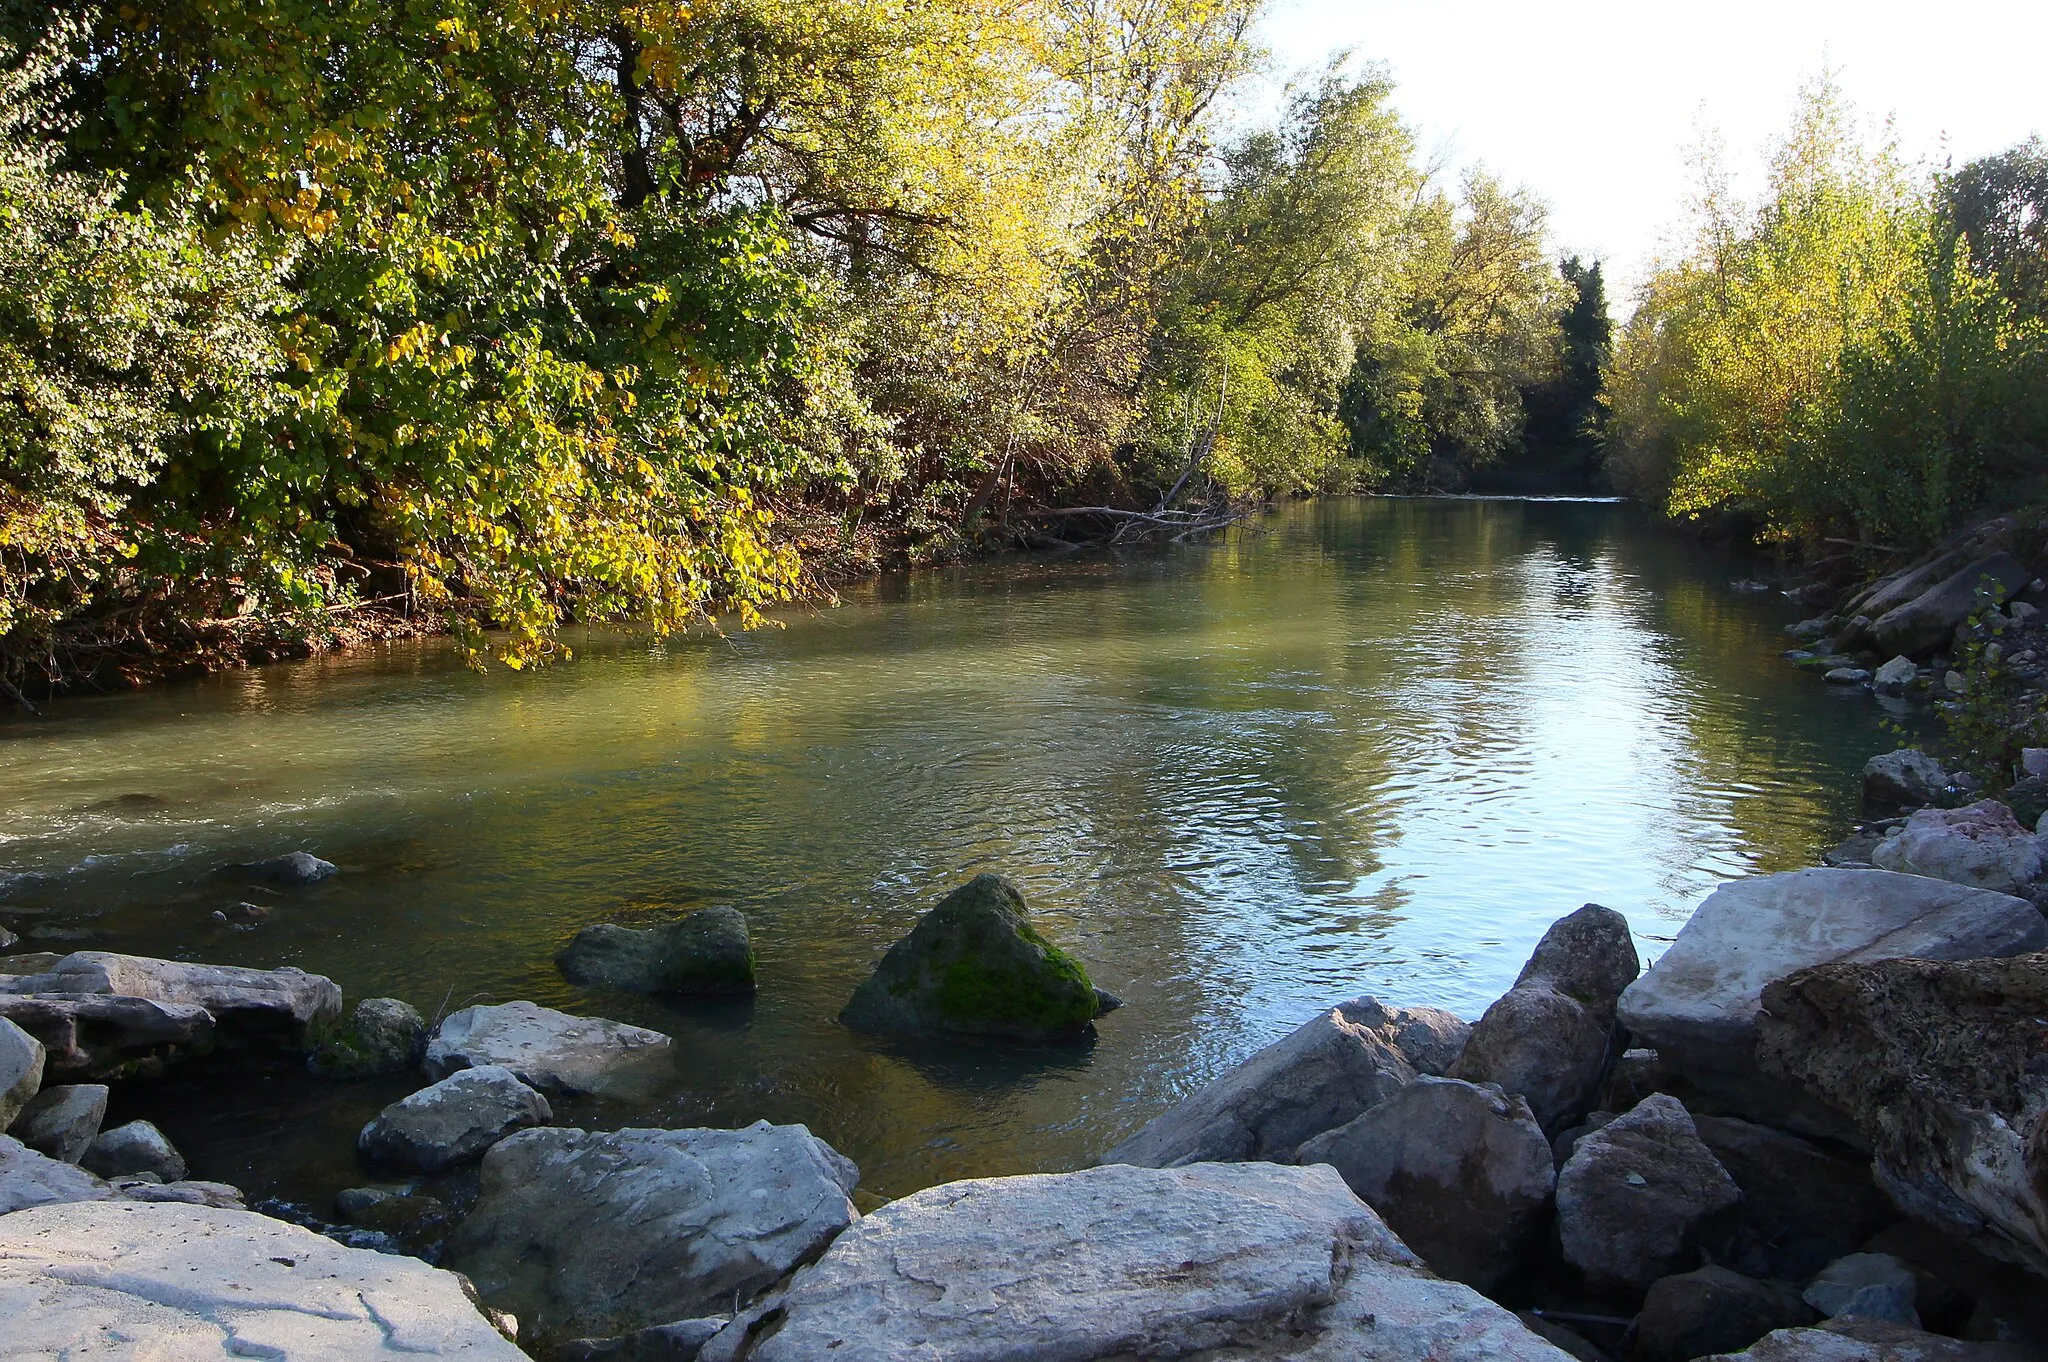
135,1148
549,1050
1211,1260
63,1121
1550,1038
382,1036
1855,1339
21,1070
1904,779
1803,1206
454,1120
1711,1310
28,1178
1981,845
121,1279
708,952
1640,1196
87,1036
975,966
1939,1066
1462,1173
1328,1070
1698,1007
1927,621
587,1234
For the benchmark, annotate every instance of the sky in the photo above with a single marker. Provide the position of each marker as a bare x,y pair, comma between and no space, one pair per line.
1593,104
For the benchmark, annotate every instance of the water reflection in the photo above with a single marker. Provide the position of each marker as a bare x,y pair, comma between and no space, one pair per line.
1368,746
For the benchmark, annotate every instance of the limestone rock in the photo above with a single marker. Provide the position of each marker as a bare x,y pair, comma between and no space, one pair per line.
31,1179
708,952
587,1234
453,1121
1549,1038
1712,1310
63,1121
975,966
1853,1339
248,1006
1981,845
1939,1067
294,868
1248,1260
1461,1173
137,1147
1802,1206
1699,1006
1638,1196
1926,622
21,1070
1905,779
1873,1285
1327,1071
177,1281
382,1036
549,1050
95,1036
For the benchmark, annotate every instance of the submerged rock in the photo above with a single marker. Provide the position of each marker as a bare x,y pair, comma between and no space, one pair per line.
453,1121
63,1121
1247,1260
185,1281
1550,1038
708,952
1981,845
974,966
21,1070
1327,1071
294,868
590,1234
382,1036
1638,1196
1699,1006
137,1147
549,1050
1461,1173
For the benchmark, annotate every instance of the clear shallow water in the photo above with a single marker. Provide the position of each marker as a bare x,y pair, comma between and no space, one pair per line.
1369,746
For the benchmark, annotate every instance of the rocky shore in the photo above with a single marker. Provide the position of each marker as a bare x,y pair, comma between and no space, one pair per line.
1818,1128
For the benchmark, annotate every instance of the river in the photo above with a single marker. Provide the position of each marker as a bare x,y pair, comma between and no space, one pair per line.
1363,746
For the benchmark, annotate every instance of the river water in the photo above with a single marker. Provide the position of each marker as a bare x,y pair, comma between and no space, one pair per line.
1365,746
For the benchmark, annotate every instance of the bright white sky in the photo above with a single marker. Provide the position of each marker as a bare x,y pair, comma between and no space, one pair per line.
1593,104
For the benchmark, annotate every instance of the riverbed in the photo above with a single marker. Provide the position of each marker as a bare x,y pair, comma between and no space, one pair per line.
1359,746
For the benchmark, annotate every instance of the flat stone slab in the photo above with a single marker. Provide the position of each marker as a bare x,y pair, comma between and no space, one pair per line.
1250,1260
176,1281
549,1050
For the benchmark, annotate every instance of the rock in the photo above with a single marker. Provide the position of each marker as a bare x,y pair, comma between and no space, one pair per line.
248,1006
1954,682
31,1179
189,1192
453,1121
88,1036
1895,677
1211,1260
1712,1310
1699,1006
1461,1173
1847,676
137,1147
63,1121
1802,1206
1567,1140
1639,1072
1873,1285
1949,1275
1854,1339
549,1050
414,1224
21,1070
1926,622
680,1341
707,952
382,1036
2034,761
351,1202
1905,779
1555,1334
1981,845
1550,1037
294,868
586,1234
974,966
2027,799
1639,1196
1324,1073
177,1281
1939,1067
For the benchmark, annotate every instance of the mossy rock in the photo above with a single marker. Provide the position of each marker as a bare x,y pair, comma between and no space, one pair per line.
975,966
382,1036
708,952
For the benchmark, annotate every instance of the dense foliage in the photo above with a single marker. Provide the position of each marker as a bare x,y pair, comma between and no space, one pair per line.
508,315
1862,355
